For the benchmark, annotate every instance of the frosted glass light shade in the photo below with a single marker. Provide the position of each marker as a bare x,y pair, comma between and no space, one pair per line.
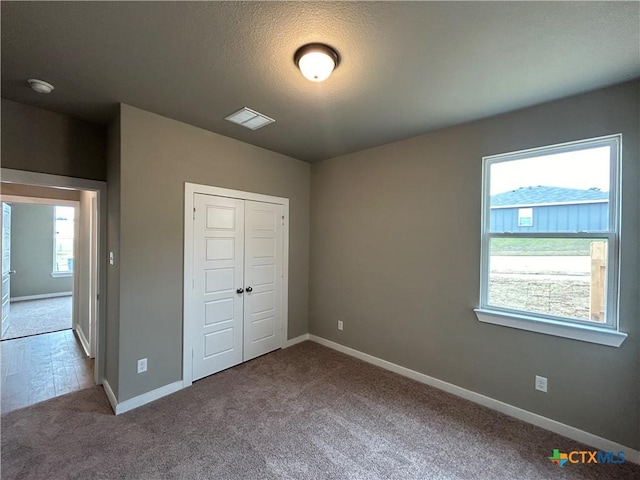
316,61
316,66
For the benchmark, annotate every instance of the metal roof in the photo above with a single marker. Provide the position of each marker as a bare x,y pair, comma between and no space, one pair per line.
542,195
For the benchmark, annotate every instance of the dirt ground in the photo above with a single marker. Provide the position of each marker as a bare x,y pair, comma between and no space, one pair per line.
563,295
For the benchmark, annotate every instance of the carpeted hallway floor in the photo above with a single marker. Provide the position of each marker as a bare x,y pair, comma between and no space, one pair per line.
306,412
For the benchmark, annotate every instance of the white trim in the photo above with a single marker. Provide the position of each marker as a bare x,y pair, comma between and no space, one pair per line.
193,188
39,201
110,395
190,189
284,326
61,274
44,179
554,426
296,340
140,400
47,180
135,402
41,296
612,234
83,341
187,348
585,333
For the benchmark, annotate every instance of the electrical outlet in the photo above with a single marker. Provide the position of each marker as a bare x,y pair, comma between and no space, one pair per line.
142,365
541,383
340,325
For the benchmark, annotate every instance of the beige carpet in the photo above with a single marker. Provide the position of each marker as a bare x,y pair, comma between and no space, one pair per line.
306,412
33,317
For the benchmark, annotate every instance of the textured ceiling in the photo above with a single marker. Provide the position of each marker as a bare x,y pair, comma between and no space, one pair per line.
407,67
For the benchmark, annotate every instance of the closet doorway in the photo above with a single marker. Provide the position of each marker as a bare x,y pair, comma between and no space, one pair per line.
236,250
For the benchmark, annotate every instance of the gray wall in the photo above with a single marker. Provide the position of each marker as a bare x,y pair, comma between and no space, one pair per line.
157,156
111,336
32,252
395,254
38,140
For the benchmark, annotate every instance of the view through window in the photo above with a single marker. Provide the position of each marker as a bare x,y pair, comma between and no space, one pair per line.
64,229
549,233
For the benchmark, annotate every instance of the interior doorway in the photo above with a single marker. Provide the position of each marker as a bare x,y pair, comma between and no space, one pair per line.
47,315
38,365
40,242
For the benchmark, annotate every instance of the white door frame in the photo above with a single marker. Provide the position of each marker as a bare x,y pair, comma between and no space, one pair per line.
72,183
190,189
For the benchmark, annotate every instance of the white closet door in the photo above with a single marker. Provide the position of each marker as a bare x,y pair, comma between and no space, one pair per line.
263,278
218,274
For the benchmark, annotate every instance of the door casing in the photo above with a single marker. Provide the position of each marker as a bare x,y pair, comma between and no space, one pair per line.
190,189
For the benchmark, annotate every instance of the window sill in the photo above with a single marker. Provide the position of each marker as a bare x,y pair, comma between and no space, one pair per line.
584,333
61,274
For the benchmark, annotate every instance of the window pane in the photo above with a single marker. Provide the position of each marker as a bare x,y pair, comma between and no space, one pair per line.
64,229
564,192
556,276
525,217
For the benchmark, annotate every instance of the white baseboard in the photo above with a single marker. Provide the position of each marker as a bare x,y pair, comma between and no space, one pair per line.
110,395
140,400
83,340
573,433
135,402
41,296
293,341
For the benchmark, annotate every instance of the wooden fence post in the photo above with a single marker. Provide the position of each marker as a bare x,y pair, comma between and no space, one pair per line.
598,252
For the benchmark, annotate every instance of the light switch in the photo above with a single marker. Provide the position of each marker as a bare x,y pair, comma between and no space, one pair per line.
111,261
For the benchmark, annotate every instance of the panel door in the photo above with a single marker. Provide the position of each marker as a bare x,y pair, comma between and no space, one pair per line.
263,278
218,273
6,265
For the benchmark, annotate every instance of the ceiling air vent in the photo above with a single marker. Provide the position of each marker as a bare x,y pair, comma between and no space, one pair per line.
249,118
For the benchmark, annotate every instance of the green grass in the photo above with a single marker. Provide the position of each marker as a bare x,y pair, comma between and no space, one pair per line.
541,246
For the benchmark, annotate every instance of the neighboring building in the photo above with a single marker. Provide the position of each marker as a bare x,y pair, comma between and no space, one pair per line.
549,209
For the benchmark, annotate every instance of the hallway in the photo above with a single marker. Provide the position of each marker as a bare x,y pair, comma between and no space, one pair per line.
41,367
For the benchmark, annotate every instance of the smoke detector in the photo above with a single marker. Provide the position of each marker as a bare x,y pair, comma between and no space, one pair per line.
40,86
249,118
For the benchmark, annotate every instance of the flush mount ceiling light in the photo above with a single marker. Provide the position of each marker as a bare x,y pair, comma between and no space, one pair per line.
316,61
40,86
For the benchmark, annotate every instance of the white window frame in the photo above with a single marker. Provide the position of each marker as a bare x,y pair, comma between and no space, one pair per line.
588,331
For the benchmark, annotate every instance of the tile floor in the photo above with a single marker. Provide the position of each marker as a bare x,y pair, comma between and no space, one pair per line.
40,367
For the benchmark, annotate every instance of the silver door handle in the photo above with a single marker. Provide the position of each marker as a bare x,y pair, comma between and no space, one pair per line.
11,272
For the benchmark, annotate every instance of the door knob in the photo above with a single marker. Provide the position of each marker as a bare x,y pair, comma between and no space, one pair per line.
240,290
249,289
11,272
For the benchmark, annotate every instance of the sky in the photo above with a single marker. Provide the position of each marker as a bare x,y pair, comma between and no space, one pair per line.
579,169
